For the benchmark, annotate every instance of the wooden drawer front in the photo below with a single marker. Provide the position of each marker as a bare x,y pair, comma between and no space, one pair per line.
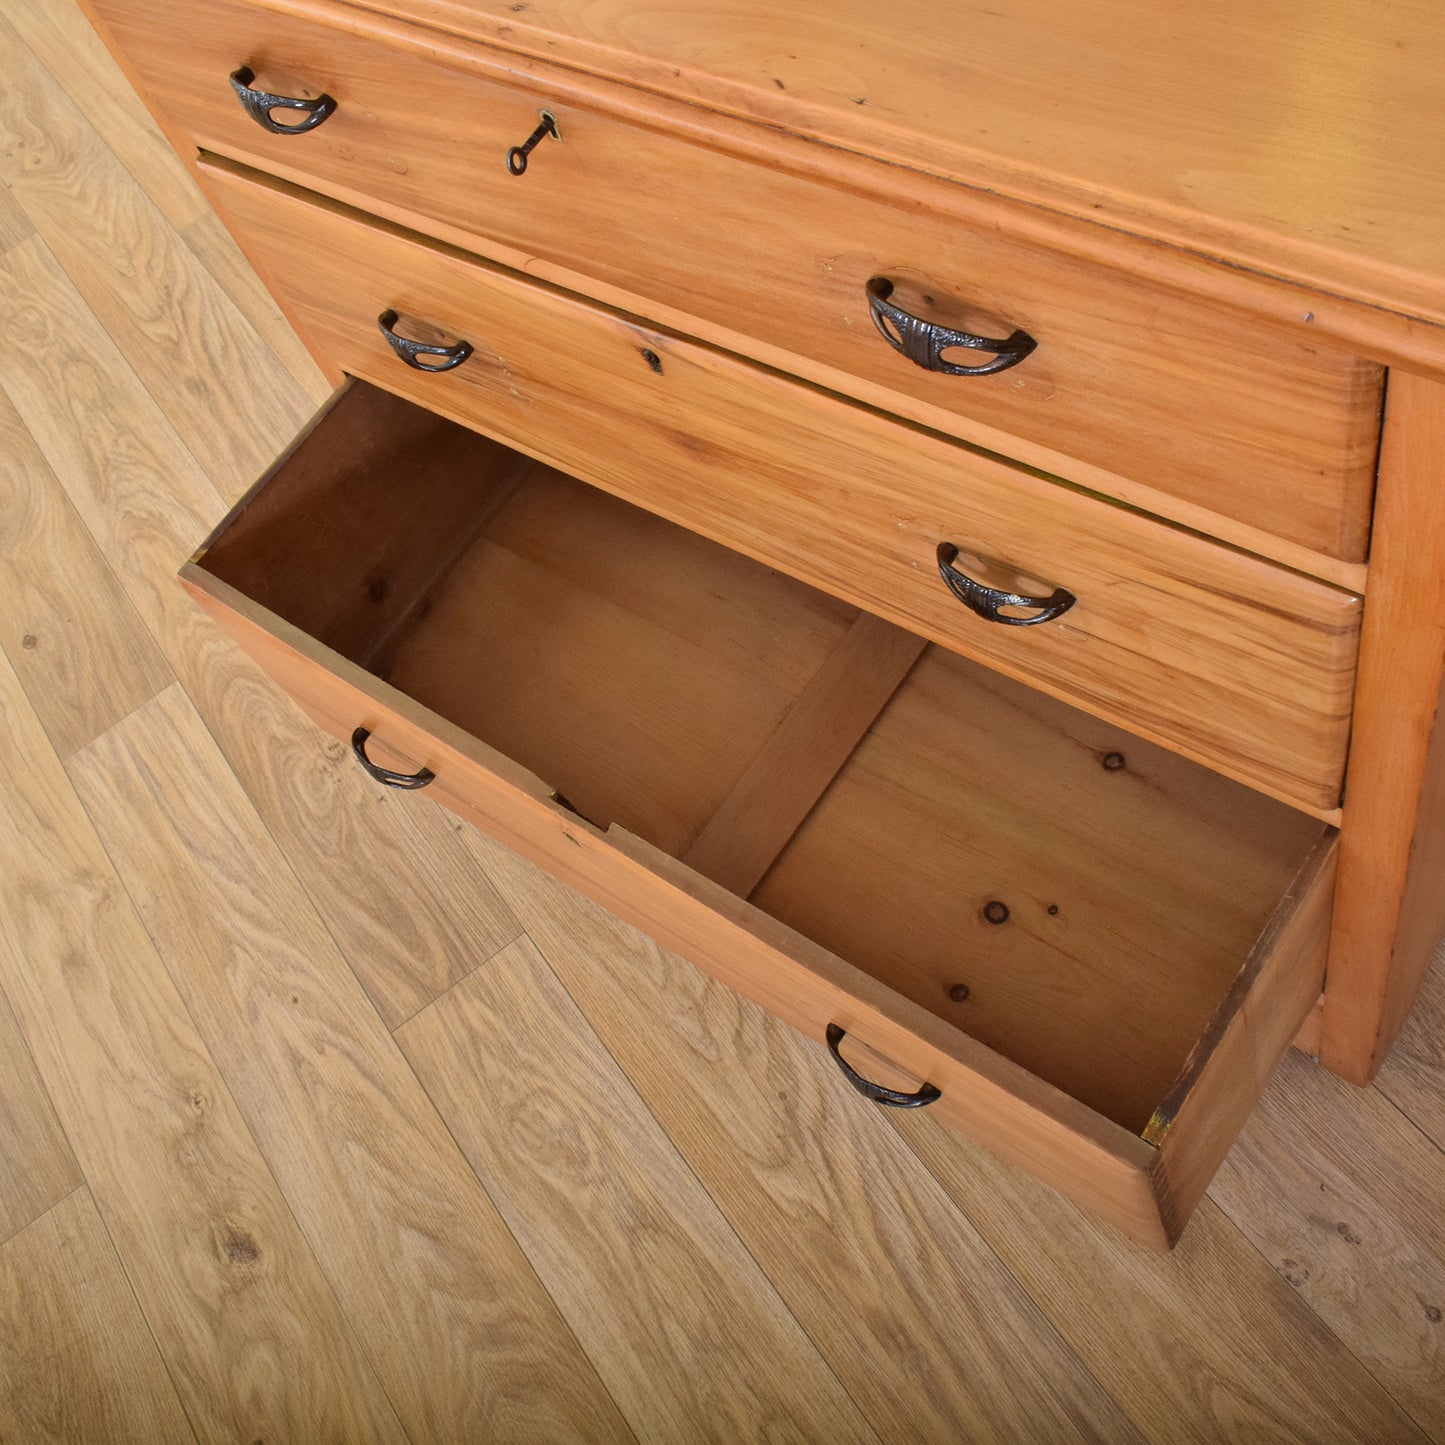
1166,926
1132,389
1226,658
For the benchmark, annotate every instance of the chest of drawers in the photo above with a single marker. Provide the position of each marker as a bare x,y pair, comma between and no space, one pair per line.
962,594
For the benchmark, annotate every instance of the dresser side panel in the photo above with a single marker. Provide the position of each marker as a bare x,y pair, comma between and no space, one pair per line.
1390,901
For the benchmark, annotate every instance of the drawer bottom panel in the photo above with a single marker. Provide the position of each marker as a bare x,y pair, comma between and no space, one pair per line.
1090,950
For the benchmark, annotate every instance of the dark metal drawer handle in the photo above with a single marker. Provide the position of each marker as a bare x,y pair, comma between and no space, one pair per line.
924,342
260,103
385,775
986,601
412,352
517,156
889,1098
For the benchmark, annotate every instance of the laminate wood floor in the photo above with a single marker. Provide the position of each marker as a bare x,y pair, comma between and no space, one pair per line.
323,1117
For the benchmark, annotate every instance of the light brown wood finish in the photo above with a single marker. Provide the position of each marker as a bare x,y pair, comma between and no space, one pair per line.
1390,907
79,647
1095,897
37,1168
1307,154
217,251
77,1365
1128,377
1222,656
990,1098
67,46
414,924
1332,1210
1413,1077
136,275
1208,1343
331,1100
1224,1077
377,499
696,1346
1001,1104
247,1324
790,772
633,715
818,1189
15,225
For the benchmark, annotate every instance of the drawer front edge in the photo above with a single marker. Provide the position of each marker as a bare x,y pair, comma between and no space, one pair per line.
1101,1166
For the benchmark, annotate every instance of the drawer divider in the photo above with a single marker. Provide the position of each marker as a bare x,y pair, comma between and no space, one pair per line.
793,769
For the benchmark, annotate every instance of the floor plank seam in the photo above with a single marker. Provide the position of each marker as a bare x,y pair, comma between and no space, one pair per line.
541,1284
1044,1316
692,1173
19,1032
1320,1322
241,1113
457,983
159,419
253,341
145,1318
307,891
49,1209
1405,1114
110,727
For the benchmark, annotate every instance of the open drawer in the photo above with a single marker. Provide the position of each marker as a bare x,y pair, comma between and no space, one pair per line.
1083,951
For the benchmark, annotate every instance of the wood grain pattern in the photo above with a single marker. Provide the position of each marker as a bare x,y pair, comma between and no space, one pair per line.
1333,1209
695,1345
61,39
1311,158
82,653
986,1096
370,1170
77,1365
218,253
1390,905
1208,1343
1131,885
247,1324
1128,377
1225,1076
788,775
415,922
164,312
1219,655
15,225
349,529
37,1168
520,652
812,1180
1413,1077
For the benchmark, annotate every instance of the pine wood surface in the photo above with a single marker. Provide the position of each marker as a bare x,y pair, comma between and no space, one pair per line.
1391,904
1293,139
1153,385
1223,656
948,1295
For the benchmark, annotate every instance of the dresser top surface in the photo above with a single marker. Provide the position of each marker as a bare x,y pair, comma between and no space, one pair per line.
1297,137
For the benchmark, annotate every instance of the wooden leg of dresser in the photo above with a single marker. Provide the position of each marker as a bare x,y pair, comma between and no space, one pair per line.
1390,901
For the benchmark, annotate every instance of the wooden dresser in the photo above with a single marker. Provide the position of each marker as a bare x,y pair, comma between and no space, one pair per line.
932,515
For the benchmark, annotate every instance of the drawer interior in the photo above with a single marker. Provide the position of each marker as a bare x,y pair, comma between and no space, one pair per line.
1076,899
